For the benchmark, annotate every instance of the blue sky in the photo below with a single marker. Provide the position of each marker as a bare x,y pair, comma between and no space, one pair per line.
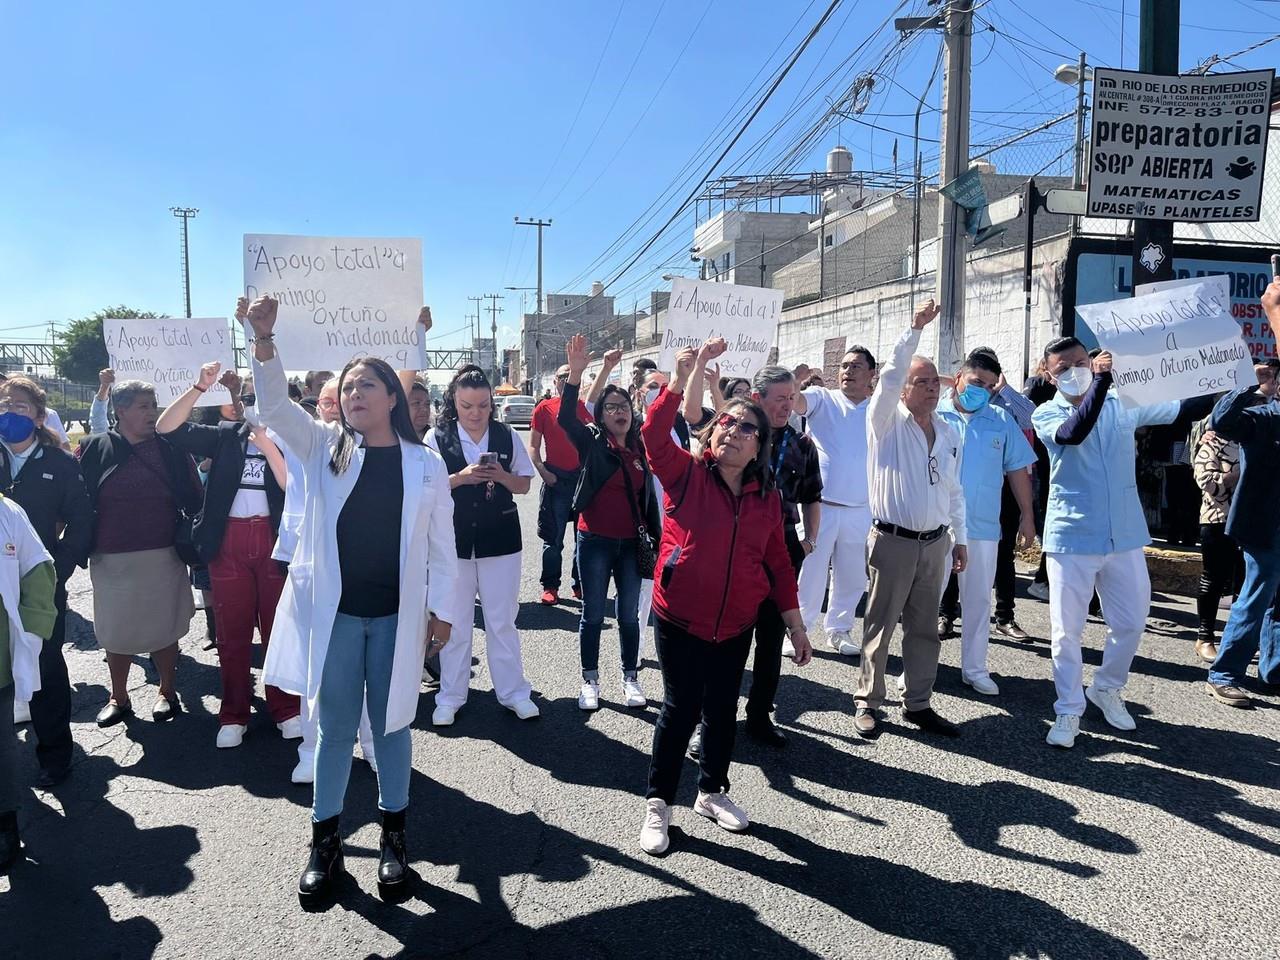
444,120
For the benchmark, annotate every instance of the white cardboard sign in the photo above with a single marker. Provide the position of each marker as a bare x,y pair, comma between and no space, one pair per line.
747,317
1175,342
340,297
169,353
1191,148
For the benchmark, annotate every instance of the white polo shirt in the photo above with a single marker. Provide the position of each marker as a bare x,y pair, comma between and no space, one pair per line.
838,427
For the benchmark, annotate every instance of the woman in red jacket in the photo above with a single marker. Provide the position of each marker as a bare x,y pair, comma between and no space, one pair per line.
722,554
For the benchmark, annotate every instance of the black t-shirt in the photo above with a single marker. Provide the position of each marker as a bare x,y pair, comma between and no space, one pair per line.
369,537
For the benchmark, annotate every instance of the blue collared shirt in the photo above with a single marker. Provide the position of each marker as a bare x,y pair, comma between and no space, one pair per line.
992,445
1093,487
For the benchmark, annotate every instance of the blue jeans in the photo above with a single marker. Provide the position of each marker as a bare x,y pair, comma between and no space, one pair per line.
1252,622
555,510
599,560
358,663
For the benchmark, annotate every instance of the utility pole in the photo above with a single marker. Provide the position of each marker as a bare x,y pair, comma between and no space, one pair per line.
494,310
953,161
534,372
1157,53
185,214
475,329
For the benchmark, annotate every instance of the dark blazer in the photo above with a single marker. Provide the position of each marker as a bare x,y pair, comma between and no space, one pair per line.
51,490
225,445
102,453
599,462
1248,418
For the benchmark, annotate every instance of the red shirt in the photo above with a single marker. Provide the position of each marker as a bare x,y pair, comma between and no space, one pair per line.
609,514
135,509
560,451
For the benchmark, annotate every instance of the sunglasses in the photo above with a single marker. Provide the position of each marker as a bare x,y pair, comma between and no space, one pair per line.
248,399
745,428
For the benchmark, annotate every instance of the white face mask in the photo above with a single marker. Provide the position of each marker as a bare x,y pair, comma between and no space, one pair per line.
650,395
1075,382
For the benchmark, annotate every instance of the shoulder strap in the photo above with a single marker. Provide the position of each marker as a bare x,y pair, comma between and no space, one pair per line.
641,528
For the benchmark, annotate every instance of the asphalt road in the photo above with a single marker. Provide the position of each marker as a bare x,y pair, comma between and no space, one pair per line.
1159,843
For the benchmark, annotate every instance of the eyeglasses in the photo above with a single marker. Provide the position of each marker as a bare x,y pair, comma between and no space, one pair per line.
248,399
617,407
745,428
562,376
326,403
934,474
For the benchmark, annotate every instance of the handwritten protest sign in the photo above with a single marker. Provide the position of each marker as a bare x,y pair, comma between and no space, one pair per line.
169,354
747,317
1175,342
339,297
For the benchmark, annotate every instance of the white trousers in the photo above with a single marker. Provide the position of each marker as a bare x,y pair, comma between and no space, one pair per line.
841,545
311,726
496,580
976,584
1124,588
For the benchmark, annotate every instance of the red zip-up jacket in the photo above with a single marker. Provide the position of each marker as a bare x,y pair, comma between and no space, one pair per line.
721,555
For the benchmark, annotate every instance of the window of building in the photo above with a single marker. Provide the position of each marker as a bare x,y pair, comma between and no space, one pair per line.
831,240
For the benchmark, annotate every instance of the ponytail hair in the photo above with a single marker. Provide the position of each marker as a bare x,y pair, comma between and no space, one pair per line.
470,377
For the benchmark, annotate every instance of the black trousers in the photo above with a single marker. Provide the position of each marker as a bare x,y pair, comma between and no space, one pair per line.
1006,573
770,631
700,680
1221,571
51,704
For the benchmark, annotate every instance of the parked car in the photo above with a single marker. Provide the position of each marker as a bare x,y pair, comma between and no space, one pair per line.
516,411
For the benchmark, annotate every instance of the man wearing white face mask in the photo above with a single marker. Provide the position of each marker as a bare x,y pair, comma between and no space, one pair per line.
1095,528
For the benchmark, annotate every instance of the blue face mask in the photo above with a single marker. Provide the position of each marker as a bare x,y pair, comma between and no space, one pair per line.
973,398
15,427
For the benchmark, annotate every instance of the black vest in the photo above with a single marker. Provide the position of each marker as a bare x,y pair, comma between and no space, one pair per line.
483,526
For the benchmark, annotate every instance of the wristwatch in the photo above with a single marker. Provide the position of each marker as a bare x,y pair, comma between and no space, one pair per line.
812,546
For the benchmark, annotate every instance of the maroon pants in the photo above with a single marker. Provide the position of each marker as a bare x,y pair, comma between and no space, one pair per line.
246,588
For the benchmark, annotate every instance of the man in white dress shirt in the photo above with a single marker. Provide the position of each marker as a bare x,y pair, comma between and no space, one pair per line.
918,530
837,422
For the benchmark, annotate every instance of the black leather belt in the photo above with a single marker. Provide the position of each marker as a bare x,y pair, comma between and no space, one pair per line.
927,537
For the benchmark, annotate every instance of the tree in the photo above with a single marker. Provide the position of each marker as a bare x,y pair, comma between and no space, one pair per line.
82,351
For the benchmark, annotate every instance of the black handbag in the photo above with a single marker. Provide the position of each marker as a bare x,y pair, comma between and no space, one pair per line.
646,547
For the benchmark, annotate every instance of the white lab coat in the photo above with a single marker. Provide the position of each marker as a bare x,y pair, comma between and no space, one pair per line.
20,552
309,604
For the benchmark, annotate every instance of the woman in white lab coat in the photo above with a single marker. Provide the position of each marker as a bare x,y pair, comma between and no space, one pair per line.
370,589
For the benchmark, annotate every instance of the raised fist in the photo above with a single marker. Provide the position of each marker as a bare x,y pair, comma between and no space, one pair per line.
242,309
424,319
208,375
262,315
106,377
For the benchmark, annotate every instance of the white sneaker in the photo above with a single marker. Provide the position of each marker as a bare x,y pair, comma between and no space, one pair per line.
525,709
1039,590
842,642
589,695
718,807
983,684
442,716
633,693
231,735
305,771
291,729
21,712
653,831
1063,732
788,648
1112,706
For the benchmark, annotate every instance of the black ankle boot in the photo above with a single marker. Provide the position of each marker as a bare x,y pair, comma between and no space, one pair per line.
10,844
393,864
324,866
211,629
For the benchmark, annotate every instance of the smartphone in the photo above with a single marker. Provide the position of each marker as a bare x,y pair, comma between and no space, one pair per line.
1275,264
488,459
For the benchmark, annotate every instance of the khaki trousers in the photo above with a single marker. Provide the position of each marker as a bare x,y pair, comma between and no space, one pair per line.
906,579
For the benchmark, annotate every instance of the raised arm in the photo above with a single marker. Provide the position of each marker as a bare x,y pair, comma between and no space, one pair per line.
291,423
179,412
1080,423
607,363
893,374
575,429
98,407
691,409
669,461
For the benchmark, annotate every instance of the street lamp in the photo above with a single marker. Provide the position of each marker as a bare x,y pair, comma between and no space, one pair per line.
1077,75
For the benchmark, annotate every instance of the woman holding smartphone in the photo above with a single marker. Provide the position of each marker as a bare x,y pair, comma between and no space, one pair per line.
488,469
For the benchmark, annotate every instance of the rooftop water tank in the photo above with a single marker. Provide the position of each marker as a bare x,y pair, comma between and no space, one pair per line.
840,161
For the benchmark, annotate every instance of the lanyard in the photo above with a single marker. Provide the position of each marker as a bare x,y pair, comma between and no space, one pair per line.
780,456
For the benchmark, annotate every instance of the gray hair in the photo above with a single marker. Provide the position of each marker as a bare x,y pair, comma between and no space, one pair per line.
127,391
766,377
